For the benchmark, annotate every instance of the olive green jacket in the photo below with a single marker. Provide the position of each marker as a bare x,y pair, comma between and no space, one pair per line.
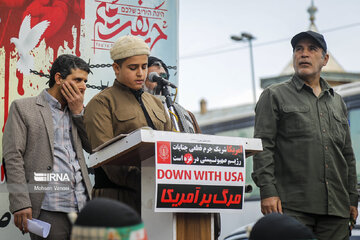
115,111
307,157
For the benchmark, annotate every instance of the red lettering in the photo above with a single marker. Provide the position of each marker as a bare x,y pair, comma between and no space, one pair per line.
199,175
227,176
160,174
100,21
233,176
240,177
180,174
217,176
207,175
168,174
161,35
173,174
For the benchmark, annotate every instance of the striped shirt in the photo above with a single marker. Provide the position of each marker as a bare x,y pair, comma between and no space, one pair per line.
72,196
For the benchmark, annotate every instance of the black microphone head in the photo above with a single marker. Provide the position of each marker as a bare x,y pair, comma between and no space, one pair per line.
153,76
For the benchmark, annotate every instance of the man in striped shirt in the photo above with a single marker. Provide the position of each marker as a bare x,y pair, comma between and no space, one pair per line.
43,140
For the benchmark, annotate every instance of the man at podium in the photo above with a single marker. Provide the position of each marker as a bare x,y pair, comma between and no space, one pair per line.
186,119
120,109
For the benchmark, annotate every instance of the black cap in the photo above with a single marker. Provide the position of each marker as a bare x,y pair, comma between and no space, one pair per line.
280,227
309,34
103,212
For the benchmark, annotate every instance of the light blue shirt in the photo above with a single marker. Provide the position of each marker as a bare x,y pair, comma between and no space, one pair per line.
71,196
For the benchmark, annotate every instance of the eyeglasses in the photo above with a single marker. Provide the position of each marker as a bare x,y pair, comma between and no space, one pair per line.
163,75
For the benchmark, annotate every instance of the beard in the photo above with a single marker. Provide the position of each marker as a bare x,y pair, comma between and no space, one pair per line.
148,90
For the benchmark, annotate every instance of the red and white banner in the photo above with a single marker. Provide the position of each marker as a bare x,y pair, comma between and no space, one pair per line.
198,177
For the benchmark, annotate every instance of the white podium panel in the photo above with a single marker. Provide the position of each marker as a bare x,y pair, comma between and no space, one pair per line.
140,146
158,225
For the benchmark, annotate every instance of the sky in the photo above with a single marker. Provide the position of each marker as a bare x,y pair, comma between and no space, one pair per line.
215,68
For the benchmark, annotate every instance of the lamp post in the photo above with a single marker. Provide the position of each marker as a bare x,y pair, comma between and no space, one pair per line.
248,37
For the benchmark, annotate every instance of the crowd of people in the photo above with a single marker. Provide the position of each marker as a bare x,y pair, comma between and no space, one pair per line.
306,172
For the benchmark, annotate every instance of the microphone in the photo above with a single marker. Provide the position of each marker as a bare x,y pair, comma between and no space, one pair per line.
154,77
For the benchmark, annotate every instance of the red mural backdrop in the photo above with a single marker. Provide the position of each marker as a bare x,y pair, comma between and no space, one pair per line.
32,34
59,31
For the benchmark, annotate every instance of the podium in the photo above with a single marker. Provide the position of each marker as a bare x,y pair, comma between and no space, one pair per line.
140,145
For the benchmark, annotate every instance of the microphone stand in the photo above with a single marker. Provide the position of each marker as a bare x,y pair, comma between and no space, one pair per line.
166,93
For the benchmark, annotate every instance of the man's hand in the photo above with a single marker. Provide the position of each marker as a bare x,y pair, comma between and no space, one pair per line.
73,96
20,219
270,205
353,214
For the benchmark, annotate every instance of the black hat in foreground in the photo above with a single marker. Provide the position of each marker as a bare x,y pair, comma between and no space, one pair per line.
309,34
280,227
103,219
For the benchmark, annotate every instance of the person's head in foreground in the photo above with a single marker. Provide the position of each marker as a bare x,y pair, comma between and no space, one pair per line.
107,219
276,226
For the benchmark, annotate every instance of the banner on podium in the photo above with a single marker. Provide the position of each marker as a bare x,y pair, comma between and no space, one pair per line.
199,177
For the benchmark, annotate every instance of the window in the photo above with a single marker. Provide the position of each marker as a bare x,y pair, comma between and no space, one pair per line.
354,117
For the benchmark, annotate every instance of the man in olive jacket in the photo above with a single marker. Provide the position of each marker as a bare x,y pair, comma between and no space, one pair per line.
123,108
307,168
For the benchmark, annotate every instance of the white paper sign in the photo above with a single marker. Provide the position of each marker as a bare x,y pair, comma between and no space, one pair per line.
39,227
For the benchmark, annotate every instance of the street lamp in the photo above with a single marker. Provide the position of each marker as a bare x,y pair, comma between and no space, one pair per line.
248,37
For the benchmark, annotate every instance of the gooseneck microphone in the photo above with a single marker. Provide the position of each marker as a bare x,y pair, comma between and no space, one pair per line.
154,77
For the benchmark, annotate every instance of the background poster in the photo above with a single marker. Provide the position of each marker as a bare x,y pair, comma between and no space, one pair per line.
155,21
199,177
83,28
